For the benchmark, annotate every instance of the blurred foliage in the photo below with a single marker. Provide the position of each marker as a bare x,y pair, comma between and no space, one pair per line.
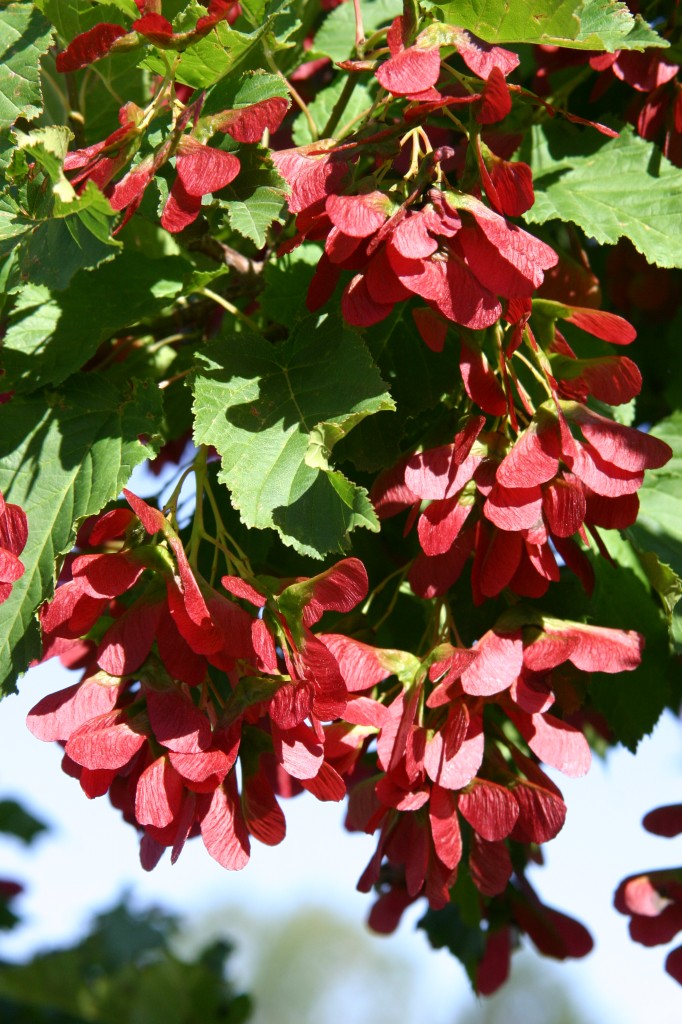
124,970
314,966
15,821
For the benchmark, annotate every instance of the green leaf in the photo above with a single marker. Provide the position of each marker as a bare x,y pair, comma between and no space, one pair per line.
65,329
24,36
15,821
664,581
253,87
149,238
60,248
631,702
625,413
70,452
48,147
223,50
126,7
257,196
14,225
107,84
286,281
610,25
446,929
514,23
274,414
336,37
588,25
660,499
65,15
71,17
322,106
418,378
77,237
657,533
642,201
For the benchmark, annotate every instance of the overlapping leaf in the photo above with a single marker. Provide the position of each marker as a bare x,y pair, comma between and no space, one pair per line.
71,17
583,188
117,77
256,198
225,49
14,225
50,335
274,414
418,378
77,237
286,280
15,821
610,25
587,25
70,452
232,93
25,36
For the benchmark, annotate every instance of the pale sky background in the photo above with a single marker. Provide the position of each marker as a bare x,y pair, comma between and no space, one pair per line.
90,856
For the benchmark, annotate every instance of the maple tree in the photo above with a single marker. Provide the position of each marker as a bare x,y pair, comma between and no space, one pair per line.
357,270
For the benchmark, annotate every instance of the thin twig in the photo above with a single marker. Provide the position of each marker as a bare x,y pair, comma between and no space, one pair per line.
298,100
251,324
223,253
163,384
